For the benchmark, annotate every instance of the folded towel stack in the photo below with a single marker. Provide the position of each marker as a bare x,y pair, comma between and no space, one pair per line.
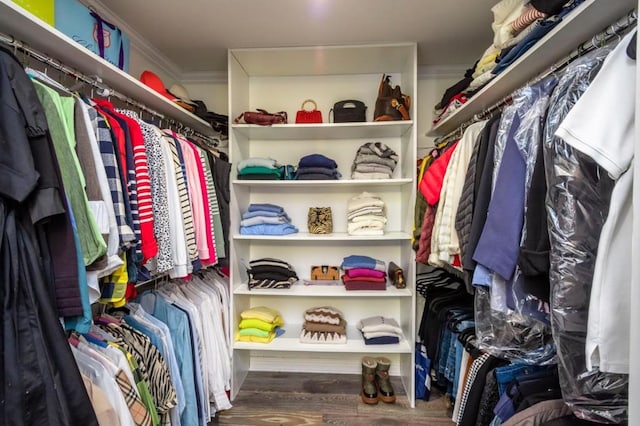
266,219
317,167
259,324
258,168
366,215
271,273
378,330
323,324
363,273
374,160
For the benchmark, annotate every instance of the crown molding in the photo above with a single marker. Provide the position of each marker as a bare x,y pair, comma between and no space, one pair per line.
139,43
204,77
441,71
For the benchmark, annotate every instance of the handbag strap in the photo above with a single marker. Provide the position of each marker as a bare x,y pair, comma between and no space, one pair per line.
238,118
315,105
100,36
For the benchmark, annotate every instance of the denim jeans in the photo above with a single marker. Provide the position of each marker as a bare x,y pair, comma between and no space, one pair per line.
504,375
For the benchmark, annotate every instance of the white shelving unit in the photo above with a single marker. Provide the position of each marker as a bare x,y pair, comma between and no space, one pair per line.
579,26
34,32
279,80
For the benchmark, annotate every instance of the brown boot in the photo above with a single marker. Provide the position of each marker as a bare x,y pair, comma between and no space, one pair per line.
385,389
369,391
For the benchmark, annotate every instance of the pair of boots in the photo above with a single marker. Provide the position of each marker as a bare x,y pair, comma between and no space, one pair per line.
376,384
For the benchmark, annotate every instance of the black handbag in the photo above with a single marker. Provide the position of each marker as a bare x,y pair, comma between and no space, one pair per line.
349,111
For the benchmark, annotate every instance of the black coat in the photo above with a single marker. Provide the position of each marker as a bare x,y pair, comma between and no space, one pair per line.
40,382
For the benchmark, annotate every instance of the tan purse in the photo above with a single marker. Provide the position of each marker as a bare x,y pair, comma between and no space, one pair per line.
325,273
319,220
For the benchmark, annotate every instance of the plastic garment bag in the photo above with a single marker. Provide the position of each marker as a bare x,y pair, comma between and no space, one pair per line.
510,323
577,205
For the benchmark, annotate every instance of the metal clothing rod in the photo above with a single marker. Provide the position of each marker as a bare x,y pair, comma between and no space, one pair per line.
105,90
600,39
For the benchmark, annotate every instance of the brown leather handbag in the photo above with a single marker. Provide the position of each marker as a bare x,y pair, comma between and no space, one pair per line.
391,104
262,117
396,275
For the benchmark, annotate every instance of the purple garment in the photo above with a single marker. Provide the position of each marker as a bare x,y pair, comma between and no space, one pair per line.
382,340
316,176
499,245
365,272
322,170
317,160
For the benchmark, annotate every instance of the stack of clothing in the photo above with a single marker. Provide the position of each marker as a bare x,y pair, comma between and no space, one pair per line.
363,273
260,324
323,324
257,168
366,215
517,26
379,330
266,219
374,160
317,167
271,273
453,104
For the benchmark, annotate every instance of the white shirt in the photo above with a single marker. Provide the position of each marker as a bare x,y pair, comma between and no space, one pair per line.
176,224
601,125
105,206
444,240
99,374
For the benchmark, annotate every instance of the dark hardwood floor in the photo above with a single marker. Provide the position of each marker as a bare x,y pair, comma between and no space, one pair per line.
291,399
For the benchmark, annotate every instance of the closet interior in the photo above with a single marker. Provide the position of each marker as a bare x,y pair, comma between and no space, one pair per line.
512,234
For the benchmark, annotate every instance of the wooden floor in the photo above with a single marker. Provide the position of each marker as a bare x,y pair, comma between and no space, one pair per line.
290,399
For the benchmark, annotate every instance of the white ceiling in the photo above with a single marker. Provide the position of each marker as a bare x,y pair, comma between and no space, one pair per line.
195,34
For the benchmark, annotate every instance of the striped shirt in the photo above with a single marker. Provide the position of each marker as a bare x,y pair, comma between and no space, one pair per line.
183,193
156,166
149,247
103,134
214,208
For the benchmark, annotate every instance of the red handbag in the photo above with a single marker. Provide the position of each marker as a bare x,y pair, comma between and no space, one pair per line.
309,117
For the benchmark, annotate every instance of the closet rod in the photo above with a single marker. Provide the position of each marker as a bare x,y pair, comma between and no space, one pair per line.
597,41
98,84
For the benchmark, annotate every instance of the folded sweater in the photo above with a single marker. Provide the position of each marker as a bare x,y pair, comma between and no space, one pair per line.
262,325
263,313
326,328
379,323
323,314
320,337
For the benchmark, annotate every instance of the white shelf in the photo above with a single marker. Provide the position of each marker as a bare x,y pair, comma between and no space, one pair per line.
301,290
336,236
329,131
321,183
270,78
325,60
30,30
290,342
581,25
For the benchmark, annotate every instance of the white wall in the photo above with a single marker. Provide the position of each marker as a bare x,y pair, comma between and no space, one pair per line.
139,63
214,95
430,91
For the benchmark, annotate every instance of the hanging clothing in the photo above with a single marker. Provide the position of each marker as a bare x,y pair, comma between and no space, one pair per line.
40,380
